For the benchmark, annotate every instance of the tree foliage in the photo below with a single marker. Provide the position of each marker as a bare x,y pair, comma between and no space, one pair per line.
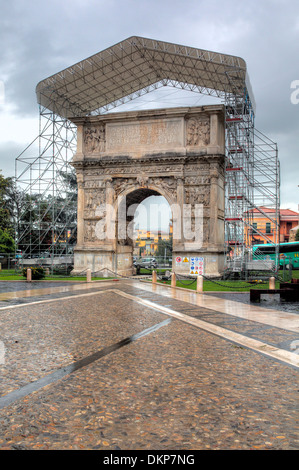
7,243
37,220
164,248
6,204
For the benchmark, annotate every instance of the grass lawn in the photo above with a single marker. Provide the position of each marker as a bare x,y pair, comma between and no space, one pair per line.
227,286
208,286
11,275
295,274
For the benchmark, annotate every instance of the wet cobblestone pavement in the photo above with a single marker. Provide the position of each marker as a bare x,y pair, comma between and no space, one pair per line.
127,365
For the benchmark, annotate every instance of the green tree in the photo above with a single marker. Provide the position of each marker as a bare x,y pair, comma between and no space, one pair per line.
297,236
42,220
6,204
164,248
7,243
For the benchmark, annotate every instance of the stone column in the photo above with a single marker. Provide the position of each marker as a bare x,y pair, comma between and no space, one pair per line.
217,134
110,216
80,142
213,205
214,129
180,210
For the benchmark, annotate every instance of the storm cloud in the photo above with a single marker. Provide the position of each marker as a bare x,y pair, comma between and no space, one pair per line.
41,38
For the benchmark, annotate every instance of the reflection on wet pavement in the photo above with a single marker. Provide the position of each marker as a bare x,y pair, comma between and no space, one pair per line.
39,290
190,380
259,314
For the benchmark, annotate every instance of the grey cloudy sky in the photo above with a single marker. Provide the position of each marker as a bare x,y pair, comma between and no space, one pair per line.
40,38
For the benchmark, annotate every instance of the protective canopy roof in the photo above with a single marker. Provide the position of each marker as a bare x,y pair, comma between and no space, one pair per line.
136,66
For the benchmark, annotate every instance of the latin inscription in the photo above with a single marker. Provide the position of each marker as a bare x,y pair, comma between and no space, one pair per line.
152,134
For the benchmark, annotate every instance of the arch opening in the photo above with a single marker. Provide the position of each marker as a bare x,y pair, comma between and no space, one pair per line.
144,231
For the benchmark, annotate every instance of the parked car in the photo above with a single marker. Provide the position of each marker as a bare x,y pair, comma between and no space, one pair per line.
149,263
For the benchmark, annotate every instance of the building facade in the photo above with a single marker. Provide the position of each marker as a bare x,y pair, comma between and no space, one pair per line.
288,219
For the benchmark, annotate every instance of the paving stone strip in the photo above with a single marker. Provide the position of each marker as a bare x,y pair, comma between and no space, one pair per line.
64,371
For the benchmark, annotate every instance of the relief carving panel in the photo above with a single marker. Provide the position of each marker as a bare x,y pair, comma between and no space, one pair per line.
94,138
198,131
198,195
93,198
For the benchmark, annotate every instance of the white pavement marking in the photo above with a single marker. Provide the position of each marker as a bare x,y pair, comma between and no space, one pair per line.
54,300
259,346
266,316
26,293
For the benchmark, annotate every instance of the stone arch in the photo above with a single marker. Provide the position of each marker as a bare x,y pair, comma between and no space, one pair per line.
151,153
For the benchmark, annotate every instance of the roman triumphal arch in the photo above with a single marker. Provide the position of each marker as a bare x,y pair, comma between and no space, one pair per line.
122,158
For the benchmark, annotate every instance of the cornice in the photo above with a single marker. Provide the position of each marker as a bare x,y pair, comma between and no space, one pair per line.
165,159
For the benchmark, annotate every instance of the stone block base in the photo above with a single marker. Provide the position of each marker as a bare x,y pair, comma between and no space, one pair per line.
102,263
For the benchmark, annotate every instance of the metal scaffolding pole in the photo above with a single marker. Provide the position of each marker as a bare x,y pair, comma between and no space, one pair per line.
46,224
252,186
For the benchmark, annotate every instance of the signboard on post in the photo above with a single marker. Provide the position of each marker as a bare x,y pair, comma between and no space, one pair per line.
196,265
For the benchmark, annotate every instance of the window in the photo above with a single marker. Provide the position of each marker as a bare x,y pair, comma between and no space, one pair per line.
289,248
254,225
268,227
268,249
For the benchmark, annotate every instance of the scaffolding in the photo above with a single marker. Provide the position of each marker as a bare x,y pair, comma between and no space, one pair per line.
47,206
115,76
252,187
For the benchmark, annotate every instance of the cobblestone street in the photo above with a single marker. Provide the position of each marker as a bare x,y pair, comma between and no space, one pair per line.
130,365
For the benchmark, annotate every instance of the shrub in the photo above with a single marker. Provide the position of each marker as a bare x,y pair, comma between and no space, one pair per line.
37,272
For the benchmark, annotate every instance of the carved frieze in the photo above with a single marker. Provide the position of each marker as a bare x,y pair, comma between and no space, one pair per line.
120,184
167,183
89,231
198,131
93,198
198,195
94,139
93,184
197,180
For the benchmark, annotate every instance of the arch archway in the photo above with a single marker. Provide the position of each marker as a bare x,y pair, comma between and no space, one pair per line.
134,156
128,203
